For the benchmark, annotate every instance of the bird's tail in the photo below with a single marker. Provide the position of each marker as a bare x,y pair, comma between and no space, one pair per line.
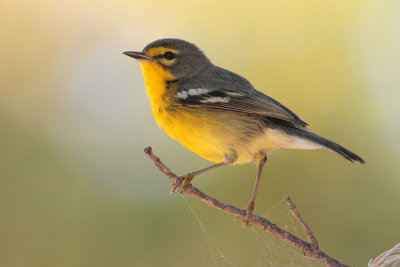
345,153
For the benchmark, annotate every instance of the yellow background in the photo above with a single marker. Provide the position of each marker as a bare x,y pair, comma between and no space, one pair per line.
77,190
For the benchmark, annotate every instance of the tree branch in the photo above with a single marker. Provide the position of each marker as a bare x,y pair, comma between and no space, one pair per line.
310,234
310,250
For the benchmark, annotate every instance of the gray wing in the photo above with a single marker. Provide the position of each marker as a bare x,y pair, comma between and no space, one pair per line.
220,89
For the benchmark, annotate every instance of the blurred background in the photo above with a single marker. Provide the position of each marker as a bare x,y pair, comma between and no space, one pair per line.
77,190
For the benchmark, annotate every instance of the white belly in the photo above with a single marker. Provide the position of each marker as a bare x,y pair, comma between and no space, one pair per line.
273,139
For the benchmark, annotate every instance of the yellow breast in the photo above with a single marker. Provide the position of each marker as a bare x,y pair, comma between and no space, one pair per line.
196,131
155,78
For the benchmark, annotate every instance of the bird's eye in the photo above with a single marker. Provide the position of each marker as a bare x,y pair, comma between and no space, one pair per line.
169,55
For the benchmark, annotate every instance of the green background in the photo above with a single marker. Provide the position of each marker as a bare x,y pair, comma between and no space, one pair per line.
77,190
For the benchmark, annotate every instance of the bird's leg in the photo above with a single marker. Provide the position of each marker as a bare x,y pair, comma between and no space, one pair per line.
187,178
260,161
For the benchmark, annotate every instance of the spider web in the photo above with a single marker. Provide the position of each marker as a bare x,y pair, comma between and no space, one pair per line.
275,252
265,250
218,252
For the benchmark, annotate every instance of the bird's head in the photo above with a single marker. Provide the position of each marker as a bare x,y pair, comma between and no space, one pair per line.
180,59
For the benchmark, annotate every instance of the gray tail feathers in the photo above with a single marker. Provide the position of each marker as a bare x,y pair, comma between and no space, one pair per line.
345,153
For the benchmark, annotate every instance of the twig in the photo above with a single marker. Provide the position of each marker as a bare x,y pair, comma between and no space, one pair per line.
310,234
307,249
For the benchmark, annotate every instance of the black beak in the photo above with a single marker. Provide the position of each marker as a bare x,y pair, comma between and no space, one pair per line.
138,55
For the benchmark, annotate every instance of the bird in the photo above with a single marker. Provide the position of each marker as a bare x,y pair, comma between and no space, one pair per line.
218,114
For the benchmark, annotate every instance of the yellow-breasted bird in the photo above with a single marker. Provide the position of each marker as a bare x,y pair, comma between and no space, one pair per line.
218,114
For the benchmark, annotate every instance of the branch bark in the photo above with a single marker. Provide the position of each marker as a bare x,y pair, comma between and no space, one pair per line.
310,250
311,237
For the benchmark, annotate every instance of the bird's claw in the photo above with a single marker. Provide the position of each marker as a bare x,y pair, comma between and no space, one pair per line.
186,179
249,214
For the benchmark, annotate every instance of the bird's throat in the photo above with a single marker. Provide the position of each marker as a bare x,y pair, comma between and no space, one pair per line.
155,78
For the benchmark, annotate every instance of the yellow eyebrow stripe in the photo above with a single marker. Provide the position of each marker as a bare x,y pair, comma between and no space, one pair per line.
159,51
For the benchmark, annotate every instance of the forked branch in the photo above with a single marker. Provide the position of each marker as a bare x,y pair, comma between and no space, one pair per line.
310,250
311,237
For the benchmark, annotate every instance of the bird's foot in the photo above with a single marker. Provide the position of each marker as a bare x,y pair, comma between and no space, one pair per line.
187,178
249,214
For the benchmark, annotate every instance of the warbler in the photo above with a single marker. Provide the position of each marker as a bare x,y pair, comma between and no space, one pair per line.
218,114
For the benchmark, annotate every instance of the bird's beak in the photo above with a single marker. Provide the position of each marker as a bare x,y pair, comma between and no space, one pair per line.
138,55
